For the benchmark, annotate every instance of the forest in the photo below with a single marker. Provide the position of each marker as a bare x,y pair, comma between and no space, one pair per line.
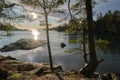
108,24
30,53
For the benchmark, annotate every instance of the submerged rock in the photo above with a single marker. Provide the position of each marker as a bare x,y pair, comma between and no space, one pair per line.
23,44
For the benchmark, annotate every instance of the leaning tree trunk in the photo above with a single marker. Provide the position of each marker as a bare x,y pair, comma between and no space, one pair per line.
69,9
48,40
90,68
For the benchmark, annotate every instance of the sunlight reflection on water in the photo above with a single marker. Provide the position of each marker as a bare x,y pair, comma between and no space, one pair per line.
35,34
73,61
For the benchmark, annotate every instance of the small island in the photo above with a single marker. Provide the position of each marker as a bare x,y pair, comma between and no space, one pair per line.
23,44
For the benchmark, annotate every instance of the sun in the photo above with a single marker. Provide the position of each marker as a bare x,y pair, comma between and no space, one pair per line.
34,15
35,34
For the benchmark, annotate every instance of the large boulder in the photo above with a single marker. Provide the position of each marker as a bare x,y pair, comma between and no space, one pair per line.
23,44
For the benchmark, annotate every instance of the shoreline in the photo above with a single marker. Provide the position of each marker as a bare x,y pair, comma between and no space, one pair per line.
13,69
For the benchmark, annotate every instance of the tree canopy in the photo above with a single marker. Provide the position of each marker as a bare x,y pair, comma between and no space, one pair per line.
109,23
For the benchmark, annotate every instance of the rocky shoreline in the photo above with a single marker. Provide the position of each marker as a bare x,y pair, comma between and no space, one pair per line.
13,69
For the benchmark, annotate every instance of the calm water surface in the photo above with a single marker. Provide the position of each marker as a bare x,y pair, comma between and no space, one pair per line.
72,60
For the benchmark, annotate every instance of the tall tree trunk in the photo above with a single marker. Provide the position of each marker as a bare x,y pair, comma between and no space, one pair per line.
48,40
92,52
90,68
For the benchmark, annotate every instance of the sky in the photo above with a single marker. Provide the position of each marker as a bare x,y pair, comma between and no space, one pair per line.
102,7
105,6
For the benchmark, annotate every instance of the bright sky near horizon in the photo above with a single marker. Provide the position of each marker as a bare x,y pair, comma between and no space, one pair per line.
35,24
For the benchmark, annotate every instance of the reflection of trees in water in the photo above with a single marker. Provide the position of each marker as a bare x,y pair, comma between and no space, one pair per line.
72,36
81,39
114,41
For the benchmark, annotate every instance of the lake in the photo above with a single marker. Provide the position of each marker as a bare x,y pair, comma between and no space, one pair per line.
73,61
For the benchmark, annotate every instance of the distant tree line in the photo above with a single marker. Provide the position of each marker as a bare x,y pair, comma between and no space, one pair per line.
6,27
104,24
108,24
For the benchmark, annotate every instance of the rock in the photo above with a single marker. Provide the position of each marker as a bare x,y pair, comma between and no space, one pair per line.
62,45
110,76
12,64
23,44
25,67
58,68
40,72
3,74
2,58
70,72
45,69
10,58
115,76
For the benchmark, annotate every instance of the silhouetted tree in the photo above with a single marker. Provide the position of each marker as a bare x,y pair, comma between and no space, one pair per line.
90,68
108,23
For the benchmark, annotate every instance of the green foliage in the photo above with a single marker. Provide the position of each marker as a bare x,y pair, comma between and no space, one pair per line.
80,40
9,33
73,41
79,8
70,31
61,2
16,76
109,23
19,76
102,44
6,26
30,2
77,25
7,13
49,3
3,7
61,28
74,23
47,6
